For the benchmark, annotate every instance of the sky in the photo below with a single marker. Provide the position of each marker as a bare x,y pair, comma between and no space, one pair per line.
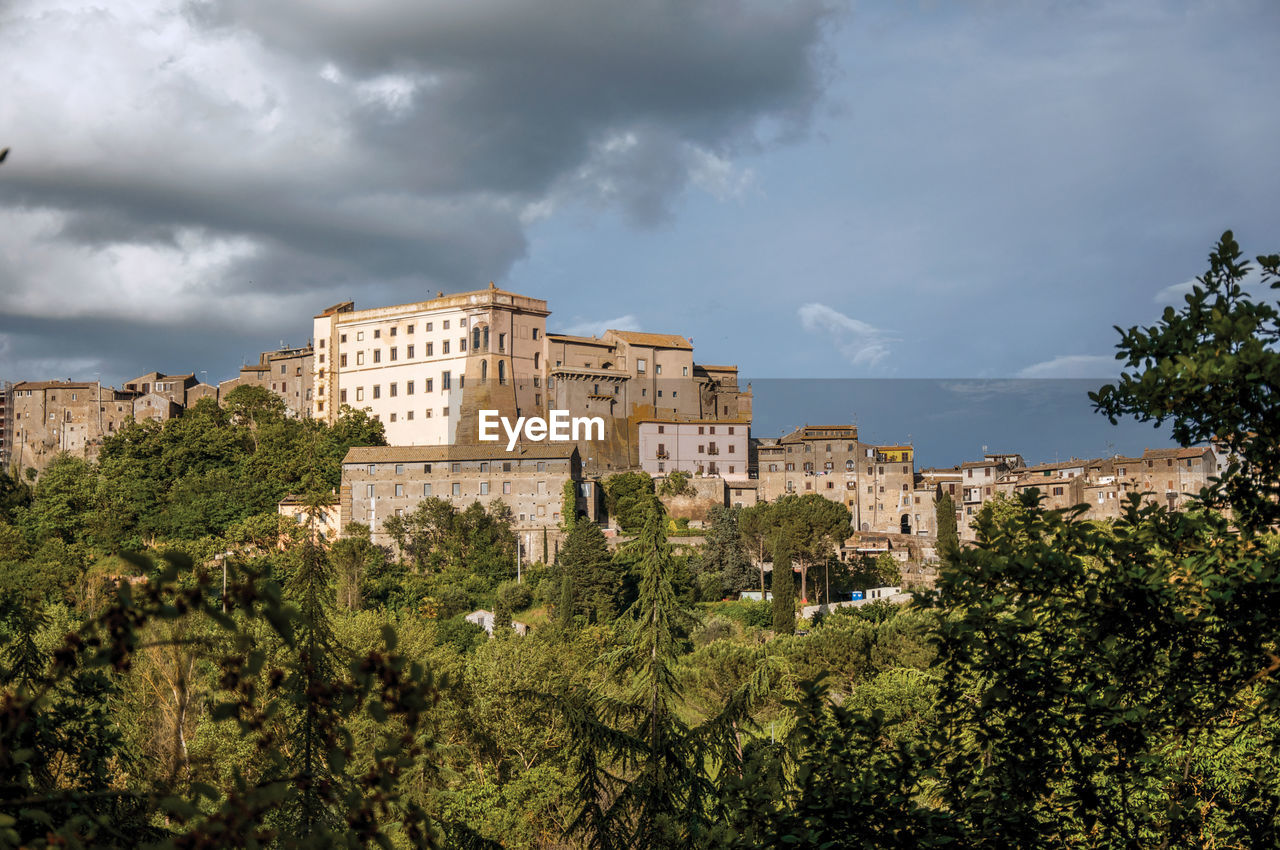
806,188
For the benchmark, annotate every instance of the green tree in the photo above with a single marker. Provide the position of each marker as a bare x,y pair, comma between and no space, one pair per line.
626,497
814,527
723,556
784,588
594,581
948,536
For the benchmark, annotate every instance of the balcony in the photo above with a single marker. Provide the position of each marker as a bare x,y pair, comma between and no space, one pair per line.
662,454
712,450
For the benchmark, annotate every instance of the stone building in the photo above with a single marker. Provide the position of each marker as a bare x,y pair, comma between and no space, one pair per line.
699,447
51,417
287,372
172,387
6,424
384,481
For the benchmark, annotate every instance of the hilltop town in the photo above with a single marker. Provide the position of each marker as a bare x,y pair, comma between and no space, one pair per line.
425,371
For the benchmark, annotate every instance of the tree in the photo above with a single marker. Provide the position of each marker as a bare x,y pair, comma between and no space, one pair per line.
814,527
594,581
784,588
1213,368
626,498
948,537
755,524
723,554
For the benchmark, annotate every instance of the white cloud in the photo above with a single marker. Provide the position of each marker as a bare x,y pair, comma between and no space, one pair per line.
1175,293
1074,366
592,327
862,344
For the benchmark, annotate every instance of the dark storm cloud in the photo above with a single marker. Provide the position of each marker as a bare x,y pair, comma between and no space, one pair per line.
199,166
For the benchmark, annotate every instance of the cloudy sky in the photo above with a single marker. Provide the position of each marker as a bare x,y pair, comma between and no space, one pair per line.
900,189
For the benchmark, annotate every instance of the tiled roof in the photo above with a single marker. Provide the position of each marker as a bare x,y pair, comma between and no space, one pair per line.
54,385
1195,451
493,451
654,340
582,340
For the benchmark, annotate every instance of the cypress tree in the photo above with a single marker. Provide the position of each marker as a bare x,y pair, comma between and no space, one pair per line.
784,589
948,538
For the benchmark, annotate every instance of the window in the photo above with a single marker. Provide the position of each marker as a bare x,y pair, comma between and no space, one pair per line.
377,390
359,393
444,347
427,413
359,336
369,491
484,488
408,387
409,416
536,333
399,469
359,358
393,331
906,470
506,488
430,348
455,467
321,357
394,353
641,365
730,432
426,467
484,466
457,488
429,385
542,466
502,343
342,360
462,344
791,467
342,396
409,329
377,355
392,388
342,338
393,417
713,428
377,333
426,489
701,430
701,448
446,381
657,369
445,324
686,371
400,491
1057,491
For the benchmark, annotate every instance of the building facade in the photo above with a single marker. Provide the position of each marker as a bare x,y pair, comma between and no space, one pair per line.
379,482
699,447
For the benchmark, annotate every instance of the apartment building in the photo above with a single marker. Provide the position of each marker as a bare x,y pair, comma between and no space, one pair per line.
172,387
424,368
384,481
699,447
287,372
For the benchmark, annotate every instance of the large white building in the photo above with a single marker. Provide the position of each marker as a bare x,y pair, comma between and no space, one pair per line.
422,368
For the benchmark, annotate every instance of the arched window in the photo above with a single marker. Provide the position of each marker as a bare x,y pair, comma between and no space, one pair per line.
484,371
537,359
502,371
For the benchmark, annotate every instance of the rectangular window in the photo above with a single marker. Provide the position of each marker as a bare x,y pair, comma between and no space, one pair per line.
393,330
641,365
444,347
399,469
445,324
409,350
369,491
455,467
342,360
395,353
342,396
542,466
426,467
359,358
484,466
426,489
409,415
408,387
446,381
409,329
430,327
457,488
400,491
377,333
429,386
506,488
430,348
484,488
377,355
342,338
359,393
392,388
377,390
462,344
359,336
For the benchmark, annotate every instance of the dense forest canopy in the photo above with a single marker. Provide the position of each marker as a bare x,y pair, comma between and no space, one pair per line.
1068,684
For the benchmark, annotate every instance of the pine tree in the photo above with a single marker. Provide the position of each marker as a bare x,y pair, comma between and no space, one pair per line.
784,588
595,579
